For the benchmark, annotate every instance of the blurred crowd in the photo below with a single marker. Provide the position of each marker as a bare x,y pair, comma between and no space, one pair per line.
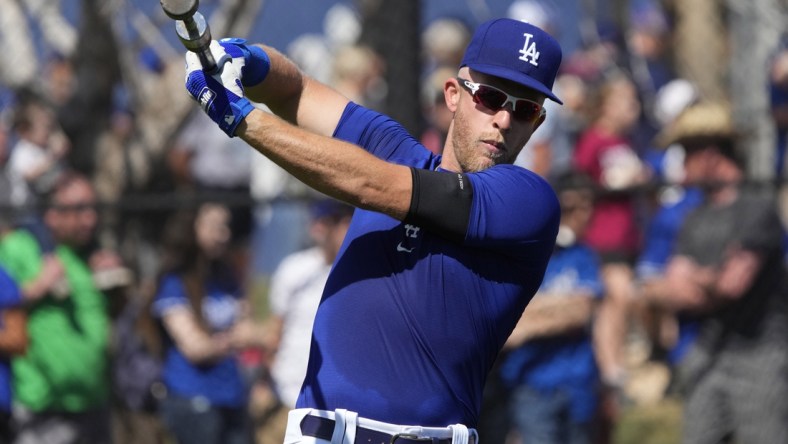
129,318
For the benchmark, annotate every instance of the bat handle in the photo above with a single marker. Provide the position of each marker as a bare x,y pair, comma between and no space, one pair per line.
195,35
207,61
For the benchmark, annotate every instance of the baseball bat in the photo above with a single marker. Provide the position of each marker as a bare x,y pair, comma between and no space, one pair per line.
192,29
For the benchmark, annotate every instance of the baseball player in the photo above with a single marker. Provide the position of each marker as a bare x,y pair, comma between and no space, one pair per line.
443,252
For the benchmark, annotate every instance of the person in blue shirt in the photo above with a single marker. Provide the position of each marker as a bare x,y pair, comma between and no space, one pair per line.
13,341
551,369
443,252
676,331
199,304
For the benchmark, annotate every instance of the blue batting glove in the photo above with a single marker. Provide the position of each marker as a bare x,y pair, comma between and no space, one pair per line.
256,61
220,95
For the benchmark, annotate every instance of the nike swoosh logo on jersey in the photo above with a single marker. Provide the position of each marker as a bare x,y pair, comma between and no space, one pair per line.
403,249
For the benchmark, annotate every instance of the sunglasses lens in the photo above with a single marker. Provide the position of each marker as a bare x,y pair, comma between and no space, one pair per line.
494,100
527,110
490,98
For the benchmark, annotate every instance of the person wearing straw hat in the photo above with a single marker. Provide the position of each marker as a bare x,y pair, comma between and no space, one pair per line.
728,271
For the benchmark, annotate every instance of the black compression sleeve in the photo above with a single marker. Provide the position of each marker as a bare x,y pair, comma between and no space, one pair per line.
441,202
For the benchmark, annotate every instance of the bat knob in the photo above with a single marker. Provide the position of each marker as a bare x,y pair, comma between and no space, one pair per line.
179,9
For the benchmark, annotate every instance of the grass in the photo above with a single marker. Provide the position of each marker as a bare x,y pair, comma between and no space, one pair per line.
659,423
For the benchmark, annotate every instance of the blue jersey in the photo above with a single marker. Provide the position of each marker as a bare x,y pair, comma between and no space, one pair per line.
410,323
565,362
221,382
662,233
10,296
660,242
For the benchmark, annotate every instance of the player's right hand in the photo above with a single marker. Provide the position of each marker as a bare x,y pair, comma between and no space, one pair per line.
221,94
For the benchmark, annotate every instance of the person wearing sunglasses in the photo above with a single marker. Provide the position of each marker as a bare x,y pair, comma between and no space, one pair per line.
443,252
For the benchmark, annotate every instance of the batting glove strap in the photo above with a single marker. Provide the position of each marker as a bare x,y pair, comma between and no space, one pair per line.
223,105
256,60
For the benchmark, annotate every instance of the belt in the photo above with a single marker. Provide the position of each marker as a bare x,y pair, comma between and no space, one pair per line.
323,428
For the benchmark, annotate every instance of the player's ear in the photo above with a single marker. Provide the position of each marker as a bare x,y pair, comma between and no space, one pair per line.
451,93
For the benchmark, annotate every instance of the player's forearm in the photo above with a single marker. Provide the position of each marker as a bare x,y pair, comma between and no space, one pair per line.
282,88
296,97
333,167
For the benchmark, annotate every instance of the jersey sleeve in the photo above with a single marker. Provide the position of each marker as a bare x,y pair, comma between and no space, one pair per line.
513,211
171,295
383,137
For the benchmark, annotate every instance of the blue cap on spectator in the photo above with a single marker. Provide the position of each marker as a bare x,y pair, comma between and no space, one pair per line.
330,208
516,51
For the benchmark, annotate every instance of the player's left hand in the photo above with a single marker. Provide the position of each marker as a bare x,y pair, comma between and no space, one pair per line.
256,62
220,94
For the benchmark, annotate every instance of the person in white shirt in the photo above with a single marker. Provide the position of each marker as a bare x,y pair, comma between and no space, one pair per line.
296,288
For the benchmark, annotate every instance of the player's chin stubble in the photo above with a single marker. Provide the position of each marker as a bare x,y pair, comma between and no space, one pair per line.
466,145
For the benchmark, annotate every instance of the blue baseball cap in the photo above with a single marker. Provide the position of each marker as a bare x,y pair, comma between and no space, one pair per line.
327,208
516,51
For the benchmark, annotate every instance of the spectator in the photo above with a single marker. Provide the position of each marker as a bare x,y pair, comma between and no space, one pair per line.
208,163
648,60
670,332
551,369
296,289
728,269
605,154
198,302
779,102
13,342
136,374
549,152
647,46
37,160
444,41
357,72
122,166
14,194
281,218
436,113
60,384
39,155
778,87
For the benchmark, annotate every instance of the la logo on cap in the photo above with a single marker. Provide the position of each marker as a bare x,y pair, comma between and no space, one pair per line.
529,52
495,50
